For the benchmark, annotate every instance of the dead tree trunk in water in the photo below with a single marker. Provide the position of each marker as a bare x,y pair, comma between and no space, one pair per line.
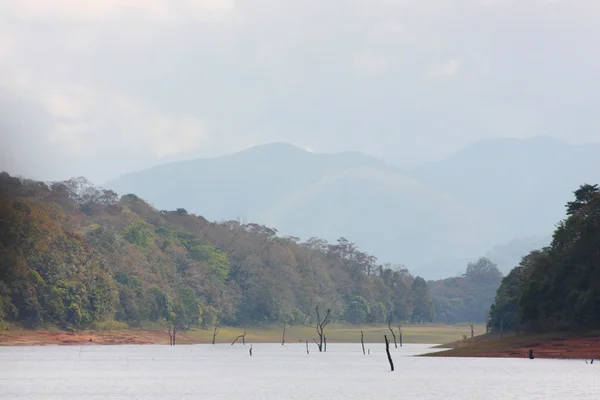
472,331
174,333
362,342
393,334
170,336
307,352
387,350
250,350
321,326
283,335
215,332
325,343
400,334
241,336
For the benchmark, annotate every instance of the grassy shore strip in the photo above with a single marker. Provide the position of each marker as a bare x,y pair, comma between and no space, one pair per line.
335,333
549,345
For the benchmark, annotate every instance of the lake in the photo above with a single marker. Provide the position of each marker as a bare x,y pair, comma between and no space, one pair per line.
282,372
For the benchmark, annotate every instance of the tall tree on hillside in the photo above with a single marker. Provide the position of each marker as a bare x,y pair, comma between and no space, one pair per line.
504,313
565,288
483,269
423,310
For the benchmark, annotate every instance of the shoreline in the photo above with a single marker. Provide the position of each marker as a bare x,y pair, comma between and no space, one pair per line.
335,333
551,345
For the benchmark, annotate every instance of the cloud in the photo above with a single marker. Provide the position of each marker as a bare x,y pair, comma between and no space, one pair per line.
365,63
85,125
445,69
75,10
105,87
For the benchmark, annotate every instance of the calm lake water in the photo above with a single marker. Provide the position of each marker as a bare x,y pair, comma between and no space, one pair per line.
282,372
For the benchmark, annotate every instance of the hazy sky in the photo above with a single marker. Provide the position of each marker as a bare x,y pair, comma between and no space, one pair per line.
103,87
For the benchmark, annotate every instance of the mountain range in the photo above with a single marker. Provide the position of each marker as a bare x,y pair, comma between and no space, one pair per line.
498,197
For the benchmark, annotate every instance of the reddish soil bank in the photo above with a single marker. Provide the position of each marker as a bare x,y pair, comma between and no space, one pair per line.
544,346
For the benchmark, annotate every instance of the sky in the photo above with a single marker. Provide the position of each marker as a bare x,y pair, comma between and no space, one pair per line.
104,87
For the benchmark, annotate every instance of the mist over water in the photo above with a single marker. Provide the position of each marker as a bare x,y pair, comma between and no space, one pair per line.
281,372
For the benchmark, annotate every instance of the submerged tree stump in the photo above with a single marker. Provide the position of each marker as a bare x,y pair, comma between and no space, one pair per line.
387,350
215,332
400,334
362,341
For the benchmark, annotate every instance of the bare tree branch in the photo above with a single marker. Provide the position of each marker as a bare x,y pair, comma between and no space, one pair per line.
321,324
393,334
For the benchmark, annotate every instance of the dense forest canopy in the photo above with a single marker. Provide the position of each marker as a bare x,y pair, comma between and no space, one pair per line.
73,255
467,297
559,286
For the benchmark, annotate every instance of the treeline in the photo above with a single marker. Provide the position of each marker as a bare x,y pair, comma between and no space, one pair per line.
466,298
557,287
73,255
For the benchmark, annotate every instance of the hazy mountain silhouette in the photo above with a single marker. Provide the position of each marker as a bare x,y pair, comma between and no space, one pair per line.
522,184
508,255
431,219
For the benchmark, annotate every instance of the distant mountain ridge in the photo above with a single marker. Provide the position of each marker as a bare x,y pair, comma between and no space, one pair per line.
459,208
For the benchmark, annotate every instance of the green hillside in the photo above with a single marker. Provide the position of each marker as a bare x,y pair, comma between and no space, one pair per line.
73,255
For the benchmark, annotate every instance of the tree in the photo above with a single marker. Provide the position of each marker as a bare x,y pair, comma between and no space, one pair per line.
585,196
483,270
505,310
139,234
215,260
209,317
423,309
379,313
357,310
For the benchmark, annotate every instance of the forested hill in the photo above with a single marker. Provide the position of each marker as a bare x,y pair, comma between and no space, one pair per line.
73,255
557,287
434,218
